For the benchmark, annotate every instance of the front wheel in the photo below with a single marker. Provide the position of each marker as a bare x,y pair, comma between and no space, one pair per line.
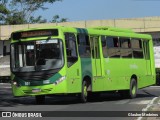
84,93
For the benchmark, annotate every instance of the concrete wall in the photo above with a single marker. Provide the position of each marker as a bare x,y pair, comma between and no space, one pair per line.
147,24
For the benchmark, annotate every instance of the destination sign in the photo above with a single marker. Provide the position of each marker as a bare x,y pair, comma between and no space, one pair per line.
34,33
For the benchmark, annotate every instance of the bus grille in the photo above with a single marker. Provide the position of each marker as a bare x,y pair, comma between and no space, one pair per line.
38,75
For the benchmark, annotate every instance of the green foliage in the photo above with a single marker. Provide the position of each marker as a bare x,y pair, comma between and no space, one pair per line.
3,10
64,20
56,19
37,20
15,18
22,11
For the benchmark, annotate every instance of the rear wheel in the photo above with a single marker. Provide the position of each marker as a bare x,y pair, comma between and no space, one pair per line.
133,88
132,92
40,99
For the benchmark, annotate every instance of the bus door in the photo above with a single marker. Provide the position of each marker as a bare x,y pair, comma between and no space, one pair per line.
73,63
96,63
147,57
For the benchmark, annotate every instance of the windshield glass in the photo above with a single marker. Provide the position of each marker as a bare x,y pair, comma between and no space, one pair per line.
36,55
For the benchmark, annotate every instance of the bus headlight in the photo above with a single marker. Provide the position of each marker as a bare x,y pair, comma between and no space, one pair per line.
15,84
59,80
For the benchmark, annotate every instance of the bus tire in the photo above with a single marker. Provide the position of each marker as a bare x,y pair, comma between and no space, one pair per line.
40,99
84,93
133,88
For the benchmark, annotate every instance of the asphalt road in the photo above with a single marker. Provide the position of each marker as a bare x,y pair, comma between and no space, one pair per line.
107,102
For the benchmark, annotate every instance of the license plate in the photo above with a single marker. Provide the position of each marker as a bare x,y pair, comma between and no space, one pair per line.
36,90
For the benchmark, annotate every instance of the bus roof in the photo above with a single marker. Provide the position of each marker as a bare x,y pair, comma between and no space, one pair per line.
109,31
114,29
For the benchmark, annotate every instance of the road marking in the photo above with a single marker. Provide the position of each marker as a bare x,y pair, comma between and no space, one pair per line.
97,103
148,106
123,102
142,102
154,87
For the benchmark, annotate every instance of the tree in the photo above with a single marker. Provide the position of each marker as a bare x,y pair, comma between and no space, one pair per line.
56,19
64,20
22,11
15,18
3,11
37,20
28,7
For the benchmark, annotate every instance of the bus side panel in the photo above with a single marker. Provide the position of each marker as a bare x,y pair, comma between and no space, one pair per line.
149,76
140,70
74,77
152,61
98,81
117,74
86,67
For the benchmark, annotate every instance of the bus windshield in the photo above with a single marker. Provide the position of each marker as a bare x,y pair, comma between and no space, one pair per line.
36,55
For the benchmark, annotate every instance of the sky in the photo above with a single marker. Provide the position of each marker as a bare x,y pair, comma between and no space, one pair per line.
79,10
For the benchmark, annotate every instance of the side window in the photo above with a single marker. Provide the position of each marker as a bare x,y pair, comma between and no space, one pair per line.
137,48
83,45
125,43
112,42
126,51
146,50
113,47
71,48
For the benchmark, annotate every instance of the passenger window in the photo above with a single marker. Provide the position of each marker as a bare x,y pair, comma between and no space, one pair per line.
113,47
137,48
71,48
126,51
125,43
83,45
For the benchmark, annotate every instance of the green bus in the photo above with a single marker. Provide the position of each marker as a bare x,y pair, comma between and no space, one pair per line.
85,62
